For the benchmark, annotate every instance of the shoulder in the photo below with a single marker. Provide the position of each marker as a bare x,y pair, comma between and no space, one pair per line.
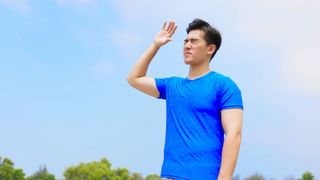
229,93
224,81
163,83
169,79
221,78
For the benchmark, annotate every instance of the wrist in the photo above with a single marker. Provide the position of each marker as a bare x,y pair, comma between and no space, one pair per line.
157,45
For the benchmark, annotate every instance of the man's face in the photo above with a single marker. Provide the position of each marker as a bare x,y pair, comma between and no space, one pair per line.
195,50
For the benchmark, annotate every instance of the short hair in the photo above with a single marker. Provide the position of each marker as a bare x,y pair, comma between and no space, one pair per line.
212,35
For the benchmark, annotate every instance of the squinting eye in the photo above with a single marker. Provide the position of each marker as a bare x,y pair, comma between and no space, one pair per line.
193,41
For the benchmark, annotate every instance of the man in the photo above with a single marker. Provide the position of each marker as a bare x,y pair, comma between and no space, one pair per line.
204,110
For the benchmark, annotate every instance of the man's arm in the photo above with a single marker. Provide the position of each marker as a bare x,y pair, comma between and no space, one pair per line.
137,77
232,125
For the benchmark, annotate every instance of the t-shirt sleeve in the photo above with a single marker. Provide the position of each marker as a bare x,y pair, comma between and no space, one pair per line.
230,95
161,84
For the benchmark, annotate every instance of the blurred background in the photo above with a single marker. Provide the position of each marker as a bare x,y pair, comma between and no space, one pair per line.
64,98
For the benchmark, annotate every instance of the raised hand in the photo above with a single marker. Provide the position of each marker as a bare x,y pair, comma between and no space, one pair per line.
165,34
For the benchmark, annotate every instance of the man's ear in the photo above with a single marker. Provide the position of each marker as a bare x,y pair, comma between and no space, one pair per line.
211,49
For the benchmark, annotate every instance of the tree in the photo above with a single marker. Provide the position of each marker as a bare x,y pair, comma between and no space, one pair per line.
136,176
41,174
96,171
153,177
8,172
120,174
93,170
307,176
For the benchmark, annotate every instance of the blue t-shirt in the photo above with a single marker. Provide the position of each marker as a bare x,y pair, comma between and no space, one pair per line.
194,133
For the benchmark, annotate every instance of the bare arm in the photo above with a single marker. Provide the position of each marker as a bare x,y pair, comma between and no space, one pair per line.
232,125
137,77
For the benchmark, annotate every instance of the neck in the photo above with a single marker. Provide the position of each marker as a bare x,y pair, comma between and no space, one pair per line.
198,71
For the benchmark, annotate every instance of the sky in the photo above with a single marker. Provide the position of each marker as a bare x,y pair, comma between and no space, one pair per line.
64,98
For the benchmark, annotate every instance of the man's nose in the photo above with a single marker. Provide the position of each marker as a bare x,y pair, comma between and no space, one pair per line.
187,45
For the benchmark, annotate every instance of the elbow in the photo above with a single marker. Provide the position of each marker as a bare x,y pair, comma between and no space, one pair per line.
130,80
235,137
238,136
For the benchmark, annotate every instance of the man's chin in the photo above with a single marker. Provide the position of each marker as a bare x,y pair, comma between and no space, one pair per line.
187,62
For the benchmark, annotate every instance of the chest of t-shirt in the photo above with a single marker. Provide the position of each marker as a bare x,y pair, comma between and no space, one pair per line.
193,96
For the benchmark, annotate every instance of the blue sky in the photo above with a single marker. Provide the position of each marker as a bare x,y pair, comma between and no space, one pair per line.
64,98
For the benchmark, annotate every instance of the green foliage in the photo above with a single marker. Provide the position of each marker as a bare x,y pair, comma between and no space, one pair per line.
8,172
96,171
41,174
307,176
120,174
136,176
153,177
100,170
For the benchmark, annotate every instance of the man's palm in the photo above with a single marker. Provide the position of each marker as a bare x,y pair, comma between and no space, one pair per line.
165,34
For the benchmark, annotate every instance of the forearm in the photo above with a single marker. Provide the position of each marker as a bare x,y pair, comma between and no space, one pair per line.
230,153
141,67
137,77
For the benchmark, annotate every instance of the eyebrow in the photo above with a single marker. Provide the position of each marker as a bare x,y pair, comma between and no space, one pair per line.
191,39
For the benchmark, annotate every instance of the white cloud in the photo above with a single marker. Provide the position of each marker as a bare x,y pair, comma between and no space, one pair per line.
300,70
291,27
273,21
178,10
21,5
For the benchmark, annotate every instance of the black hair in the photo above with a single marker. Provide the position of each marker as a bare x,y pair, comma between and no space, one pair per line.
212,35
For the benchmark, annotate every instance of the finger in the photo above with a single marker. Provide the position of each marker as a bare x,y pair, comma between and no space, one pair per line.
171,28
173,31
164,25
171,24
